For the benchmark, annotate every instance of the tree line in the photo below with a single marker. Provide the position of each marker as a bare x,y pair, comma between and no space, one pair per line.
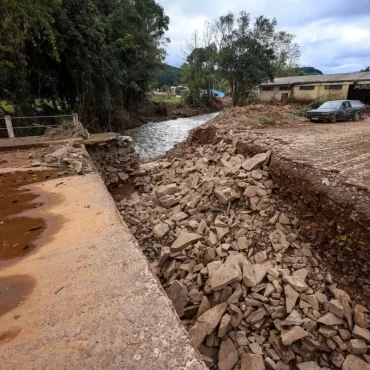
95,57
238,53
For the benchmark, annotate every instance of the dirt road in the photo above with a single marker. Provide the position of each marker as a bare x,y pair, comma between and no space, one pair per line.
342,148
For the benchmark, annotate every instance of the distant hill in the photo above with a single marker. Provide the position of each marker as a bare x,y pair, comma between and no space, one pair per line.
168,75
309,71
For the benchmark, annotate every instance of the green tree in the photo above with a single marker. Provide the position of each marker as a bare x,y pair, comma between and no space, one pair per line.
26,25
97,57
168,75
246,54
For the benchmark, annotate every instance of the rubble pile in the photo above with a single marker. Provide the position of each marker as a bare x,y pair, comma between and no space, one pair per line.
115,158
229,253
71,155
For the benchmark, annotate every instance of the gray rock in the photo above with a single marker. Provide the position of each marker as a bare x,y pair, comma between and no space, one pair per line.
168,201
226,194
161,230
357,346
258,160
361,333
278,241
330,319
242,243
256,316
291,296
296,282
294,334
204,306
226,274
285,352
354,363
165,253
249,277
252,362
251,191
308,366
166,190
260,257
206,323
178,294
241,338
183,240
228,355
255,348
335,306
336,358
224,325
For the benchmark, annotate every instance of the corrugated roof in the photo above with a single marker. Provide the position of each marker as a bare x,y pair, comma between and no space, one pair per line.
338,77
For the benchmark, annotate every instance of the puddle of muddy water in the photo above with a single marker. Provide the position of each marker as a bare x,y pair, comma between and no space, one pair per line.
18,232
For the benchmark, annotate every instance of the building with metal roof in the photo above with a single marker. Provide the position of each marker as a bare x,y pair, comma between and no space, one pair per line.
354,86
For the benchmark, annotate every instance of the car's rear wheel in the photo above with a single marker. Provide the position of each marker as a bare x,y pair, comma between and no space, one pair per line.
334,119
356,117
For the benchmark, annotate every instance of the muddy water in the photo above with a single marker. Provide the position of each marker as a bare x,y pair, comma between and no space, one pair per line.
18,233
157,138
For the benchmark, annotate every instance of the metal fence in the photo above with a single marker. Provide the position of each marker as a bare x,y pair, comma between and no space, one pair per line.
32,125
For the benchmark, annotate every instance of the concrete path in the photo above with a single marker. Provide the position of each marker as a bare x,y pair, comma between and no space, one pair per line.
85,298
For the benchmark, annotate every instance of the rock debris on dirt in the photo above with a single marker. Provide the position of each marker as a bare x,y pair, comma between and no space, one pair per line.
228,251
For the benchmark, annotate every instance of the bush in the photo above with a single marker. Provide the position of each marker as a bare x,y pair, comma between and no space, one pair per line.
313,105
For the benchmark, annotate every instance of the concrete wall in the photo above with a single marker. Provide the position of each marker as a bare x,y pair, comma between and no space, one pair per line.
274,95
321,92
309,95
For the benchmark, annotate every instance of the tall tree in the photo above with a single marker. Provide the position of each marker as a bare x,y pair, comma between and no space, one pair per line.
246,53
243,53
25,27
98,57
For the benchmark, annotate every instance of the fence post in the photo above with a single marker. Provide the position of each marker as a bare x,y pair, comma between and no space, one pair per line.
9,126
75,118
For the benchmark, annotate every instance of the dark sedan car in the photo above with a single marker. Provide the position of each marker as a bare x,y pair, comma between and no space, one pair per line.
337,110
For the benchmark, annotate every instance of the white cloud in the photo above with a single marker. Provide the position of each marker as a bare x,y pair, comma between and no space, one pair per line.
334,35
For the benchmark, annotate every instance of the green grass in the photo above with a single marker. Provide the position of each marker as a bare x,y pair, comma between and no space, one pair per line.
264,119
166,99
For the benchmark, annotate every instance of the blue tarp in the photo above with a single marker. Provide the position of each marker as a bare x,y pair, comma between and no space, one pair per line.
219,93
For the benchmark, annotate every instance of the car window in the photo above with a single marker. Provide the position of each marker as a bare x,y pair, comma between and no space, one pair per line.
331,105
346,104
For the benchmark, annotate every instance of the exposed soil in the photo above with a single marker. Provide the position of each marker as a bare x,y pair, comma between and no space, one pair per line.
14,290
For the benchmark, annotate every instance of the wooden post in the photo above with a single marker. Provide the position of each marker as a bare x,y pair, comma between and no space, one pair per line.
9,126
75,118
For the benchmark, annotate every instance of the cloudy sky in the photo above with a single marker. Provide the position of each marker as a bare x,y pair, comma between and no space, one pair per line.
334,35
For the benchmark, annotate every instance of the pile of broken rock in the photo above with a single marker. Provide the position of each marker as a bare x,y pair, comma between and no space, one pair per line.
228,251
71,155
